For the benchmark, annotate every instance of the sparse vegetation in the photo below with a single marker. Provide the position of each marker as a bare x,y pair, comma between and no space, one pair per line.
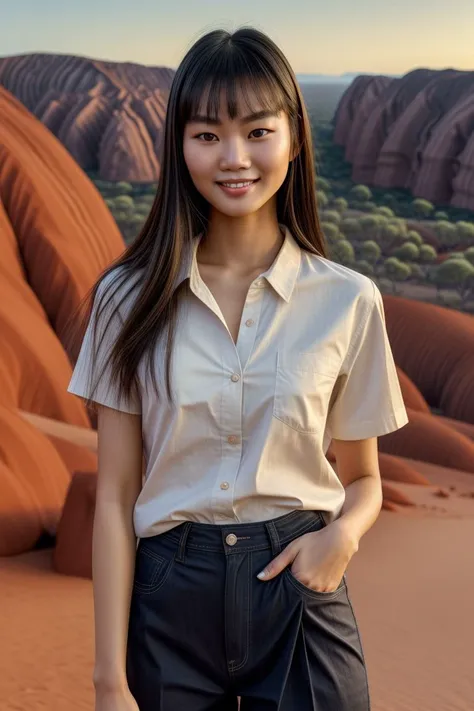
407,245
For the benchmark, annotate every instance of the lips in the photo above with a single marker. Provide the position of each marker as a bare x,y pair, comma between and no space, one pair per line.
237,184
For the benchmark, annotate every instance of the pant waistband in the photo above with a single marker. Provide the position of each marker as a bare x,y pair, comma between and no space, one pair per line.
235,538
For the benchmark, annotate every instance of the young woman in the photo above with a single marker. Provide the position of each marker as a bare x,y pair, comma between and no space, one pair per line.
232,350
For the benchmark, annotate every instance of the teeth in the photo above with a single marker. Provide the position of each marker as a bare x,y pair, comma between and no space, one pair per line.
237,185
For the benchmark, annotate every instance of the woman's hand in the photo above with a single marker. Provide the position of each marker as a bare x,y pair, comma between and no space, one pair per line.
319,558
115,700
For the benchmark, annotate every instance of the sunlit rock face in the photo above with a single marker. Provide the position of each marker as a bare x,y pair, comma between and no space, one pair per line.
109,115
56,236
414,132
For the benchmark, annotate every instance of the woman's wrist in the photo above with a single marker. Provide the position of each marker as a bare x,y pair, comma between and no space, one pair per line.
361,508
348,532
109,682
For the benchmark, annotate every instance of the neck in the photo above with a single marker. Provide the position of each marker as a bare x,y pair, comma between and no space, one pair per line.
241,244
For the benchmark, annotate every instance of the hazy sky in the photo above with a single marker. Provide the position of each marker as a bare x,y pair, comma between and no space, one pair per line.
331,37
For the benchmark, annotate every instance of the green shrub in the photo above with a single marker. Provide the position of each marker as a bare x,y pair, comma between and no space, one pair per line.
123,187
331,216
123,202
422,208
321,199
339,204
361,193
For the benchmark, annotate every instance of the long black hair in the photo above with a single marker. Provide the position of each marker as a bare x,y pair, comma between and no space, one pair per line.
249,61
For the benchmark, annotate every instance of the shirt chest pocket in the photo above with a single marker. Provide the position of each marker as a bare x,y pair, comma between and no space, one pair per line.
303,387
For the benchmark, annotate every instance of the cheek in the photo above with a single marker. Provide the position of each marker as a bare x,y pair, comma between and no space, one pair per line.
195,159
277,155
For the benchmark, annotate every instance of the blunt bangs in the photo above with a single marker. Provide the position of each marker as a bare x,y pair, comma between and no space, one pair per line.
232,74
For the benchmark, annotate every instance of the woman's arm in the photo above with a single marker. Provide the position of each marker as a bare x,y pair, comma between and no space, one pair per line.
358,470
322,556
114,542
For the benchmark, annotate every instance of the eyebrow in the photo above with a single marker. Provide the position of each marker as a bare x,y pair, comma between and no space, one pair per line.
256,116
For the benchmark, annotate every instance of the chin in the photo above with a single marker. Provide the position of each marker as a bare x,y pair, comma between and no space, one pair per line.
241,211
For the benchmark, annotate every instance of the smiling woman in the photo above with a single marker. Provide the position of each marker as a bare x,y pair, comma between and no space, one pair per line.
262,346
241,152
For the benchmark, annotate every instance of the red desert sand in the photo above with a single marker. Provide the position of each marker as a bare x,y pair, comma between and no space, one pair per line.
411,586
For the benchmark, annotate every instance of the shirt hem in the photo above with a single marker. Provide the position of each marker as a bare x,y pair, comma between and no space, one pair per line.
374,428
104,401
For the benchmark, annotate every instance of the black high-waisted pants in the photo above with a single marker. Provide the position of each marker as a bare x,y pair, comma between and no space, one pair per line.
204,629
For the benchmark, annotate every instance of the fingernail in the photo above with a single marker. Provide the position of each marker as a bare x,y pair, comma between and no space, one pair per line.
261,575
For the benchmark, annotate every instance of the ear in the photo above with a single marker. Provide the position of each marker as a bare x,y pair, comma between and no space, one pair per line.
295,149
295,146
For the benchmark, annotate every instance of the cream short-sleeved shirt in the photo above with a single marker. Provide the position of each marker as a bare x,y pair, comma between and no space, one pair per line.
246,437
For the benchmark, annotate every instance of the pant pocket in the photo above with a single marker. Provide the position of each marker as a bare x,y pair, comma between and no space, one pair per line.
151,570
303,589
309,592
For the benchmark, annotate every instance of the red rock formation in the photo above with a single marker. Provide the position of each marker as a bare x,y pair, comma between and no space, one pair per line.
73,551
411,395
390,506
56,236
434,346
126,146
429,439
108,115
375,88
33,482
396,469
415,132
355,94
446,167
462,170
394,495
465,428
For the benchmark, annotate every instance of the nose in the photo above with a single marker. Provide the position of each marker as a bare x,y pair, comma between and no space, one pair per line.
234,155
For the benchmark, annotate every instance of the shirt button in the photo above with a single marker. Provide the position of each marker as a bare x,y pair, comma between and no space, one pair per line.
249,322
235,377
259,282
224,485
233,439
231,539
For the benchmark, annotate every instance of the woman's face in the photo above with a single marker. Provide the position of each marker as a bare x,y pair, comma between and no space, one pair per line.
246,148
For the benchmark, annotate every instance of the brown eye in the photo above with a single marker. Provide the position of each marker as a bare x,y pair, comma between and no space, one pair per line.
205,134
261,129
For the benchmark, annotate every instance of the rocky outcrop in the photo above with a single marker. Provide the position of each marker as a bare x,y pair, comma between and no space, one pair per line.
73,550
428,439
415,132
412,397
56,236
434,347
108,115
355,108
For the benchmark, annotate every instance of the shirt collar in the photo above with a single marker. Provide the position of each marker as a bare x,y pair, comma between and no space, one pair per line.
282,274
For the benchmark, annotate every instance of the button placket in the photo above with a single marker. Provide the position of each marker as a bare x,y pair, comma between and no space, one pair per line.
230,424
231,420
249,323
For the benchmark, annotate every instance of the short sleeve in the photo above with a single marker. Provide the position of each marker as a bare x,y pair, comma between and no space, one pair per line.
90,379
369,402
